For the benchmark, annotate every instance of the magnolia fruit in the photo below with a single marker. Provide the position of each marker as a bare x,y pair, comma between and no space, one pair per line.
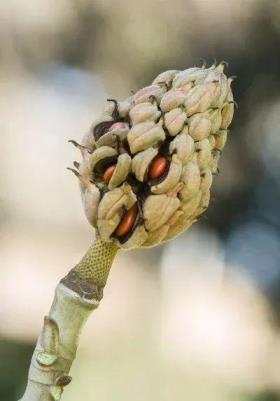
147,162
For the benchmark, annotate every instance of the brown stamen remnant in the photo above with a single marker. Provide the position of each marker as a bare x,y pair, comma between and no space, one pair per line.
127,221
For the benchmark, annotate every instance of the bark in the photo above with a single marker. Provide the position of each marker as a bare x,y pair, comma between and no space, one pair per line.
76,296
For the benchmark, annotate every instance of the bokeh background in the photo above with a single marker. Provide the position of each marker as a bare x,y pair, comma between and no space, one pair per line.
197,318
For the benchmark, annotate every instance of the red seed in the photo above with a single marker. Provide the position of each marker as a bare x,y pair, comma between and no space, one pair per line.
127,221
157,167
107,175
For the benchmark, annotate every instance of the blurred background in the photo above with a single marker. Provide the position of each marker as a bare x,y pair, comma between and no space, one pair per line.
198,317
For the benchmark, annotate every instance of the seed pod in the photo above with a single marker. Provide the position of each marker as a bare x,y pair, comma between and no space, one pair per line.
141,161
215,116
199,98
121,171
212,141
214,161
117,132
221,139
136,239
199,127
91,198
191,179
172,178
125,106
204,153
183,146
142,112
110,209
189,75
175,218
206,180
191,205
181,225
158,209
103,154
157,236
165,77
222,92
174,121
227,115
204,202
157,149
101,125
148,93
144,135
172,99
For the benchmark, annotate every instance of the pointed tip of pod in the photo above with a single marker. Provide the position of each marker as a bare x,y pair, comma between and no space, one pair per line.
77,174
220,68
77,145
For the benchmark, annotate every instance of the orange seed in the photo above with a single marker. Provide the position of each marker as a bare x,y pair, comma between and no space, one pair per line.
127,221
107,175
157,167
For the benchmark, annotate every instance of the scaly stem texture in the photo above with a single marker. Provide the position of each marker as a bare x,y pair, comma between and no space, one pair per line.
76,296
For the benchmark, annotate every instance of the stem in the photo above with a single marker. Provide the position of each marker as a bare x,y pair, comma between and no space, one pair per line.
76,296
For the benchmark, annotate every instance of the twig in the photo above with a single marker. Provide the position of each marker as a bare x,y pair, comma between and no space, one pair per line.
76,296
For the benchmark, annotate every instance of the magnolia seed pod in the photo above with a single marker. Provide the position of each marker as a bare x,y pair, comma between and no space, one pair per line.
165,77
142,112
181,225
199,127
190,75
214,161
91,197
215,117
148,161
137,238
111,207
141,162
149,93
204,202
157,236
174,121
206,180
158,209
144,135
117,132
172,99
220,139
103,154
121,171
212,141
183,146
227,115
171,179
125,106
191,179
204,153
191,205
199,98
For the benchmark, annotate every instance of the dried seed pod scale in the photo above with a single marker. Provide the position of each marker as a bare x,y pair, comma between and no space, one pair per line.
145,177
